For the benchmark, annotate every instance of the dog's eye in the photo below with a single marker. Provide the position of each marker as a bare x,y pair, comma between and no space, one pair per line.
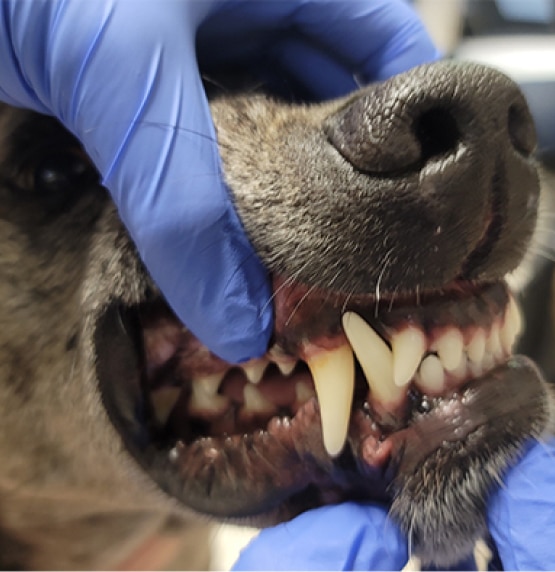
62,173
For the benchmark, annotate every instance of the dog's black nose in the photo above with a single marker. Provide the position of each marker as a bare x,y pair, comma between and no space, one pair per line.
431,112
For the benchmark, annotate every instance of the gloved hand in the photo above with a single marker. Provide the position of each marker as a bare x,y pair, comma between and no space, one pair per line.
123,76
354,536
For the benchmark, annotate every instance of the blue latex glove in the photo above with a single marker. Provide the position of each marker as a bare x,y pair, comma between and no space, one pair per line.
354,536
123,76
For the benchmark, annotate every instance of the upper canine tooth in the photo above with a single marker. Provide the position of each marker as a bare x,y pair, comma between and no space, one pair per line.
375,358
408,347
333,373
254,369
449,347
511,326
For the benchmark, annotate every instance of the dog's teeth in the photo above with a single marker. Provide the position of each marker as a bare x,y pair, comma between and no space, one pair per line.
449,347
333,373
488,362
163,401
375,359
408,347
255,402
477,347
431,375
511,326
286,367
493,342
204,394
303,392
254,369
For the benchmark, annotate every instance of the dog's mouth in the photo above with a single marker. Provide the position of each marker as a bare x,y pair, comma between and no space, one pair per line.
350,390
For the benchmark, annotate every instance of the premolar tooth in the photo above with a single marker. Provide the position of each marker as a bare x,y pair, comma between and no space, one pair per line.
449,347
431,375
255,402
303,392
333,373
286,366
512,325
163,401
204,395
375,359
254,369
408,347
477,347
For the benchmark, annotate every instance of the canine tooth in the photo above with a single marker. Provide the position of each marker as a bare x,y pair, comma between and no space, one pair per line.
449,347
333,373
255,402
477,347
254,369
408,347
431,374
375,358
303,392
163,401
493,342
512,325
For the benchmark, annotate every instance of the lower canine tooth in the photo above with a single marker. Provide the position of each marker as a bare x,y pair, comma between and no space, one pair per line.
333,373
375,358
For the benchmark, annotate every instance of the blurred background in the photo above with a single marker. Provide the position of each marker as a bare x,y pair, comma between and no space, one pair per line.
517,37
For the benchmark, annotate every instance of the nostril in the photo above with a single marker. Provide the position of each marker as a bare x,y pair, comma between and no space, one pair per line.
437,132
521,129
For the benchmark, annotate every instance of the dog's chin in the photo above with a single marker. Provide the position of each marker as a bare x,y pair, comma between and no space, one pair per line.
355,396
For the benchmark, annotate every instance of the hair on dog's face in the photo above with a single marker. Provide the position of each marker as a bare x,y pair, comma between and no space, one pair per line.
387,220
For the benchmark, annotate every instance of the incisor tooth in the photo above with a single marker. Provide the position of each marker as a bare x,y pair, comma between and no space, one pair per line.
254,369
375,358
431,376
285,366
493,342
408,347
333,373
477,347
449,347
511,326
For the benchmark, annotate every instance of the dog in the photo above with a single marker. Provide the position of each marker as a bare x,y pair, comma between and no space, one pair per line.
387,220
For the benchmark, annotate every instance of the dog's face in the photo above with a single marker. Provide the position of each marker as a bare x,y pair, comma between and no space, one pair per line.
387,220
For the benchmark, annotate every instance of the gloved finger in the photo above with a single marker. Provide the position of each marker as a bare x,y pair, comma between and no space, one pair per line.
374,40
147,127
348,536
321,44
522,513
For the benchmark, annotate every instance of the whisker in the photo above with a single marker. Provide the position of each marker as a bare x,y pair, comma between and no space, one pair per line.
298,304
